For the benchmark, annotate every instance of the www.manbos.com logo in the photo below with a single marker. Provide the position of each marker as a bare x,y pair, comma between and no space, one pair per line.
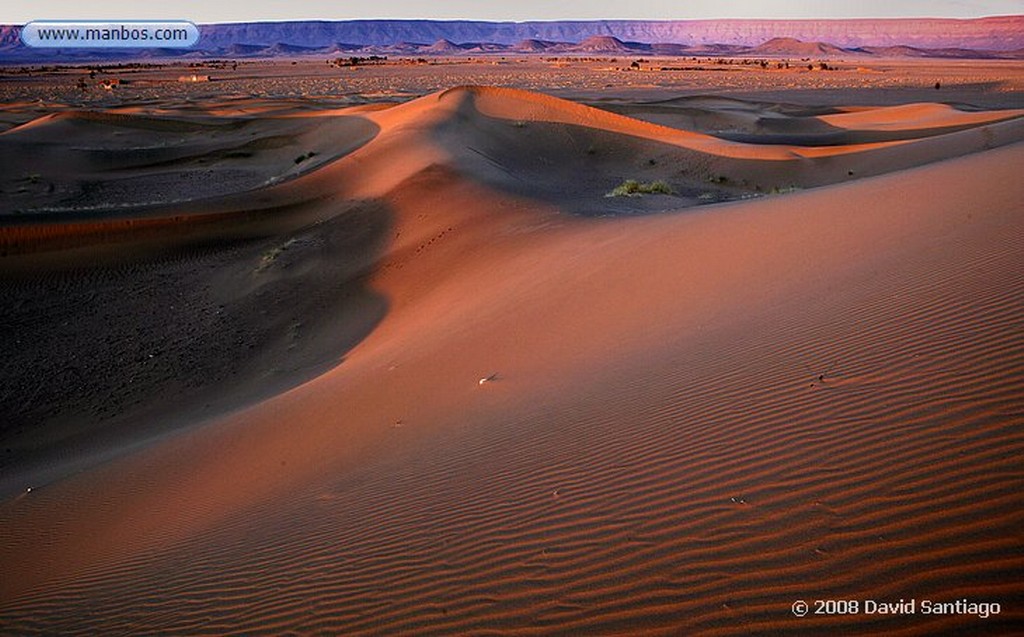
110,34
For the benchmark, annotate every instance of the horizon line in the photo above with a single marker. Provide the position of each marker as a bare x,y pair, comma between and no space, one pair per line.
553,20
550,20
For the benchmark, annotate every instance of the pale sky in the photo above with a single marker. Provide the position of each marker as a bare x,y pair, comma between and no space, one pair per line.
201,11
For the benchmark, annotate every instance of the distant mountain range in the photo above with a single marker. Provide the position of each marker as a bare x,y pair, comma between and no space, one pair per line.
1001,37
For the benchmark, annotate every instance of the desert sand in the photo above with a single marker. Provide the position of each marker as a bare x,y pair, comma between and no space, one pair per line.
298,367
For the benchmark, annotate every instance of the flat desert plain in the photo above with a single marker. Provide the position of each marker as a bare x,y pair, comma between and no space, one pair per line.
401,350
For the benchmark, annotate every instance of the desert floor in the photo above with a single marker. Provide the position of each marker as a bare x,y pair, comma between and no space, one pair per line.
308,350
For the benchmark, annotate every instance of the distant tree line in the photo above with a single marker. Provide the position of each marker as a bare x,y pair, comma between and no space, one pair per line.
358,61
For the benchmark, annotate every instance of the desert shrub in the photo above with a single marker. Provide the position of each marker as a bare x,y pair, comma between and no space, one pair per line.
634,188
268,258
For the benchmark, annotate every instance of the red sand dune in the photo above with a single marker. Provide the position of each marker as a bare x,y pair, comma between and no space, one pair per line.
694,420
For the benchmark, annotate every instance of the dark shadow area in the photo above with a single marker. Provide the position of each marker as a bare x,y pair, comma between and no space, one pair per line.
84,162
93,360
119,329
576,167
759,122
837,137
707,113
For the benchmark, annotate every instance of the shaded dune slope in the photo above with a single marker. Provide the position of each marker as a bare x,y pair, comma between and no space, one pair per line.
696,418
540,146
97,162
798,125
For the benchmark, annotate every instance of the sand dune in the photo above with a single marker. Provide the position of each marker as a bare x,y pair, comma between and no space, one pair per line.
913,117
693,419
568,151
790,124
127,160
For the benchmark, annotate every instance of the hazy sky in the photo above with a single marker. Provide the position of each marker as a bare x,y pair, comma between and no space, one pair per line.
20,11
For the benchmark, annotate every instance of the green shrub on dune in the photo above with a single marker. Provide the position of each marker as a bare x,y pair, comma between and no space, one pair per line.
634,188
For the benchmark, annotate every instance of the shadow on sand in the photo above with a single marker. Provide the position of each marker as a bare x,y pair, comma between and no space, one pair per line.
123,328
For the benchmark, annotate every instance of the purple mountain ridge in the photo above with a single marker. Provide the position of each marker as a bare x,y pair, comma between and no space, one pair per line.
826,37
999,33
